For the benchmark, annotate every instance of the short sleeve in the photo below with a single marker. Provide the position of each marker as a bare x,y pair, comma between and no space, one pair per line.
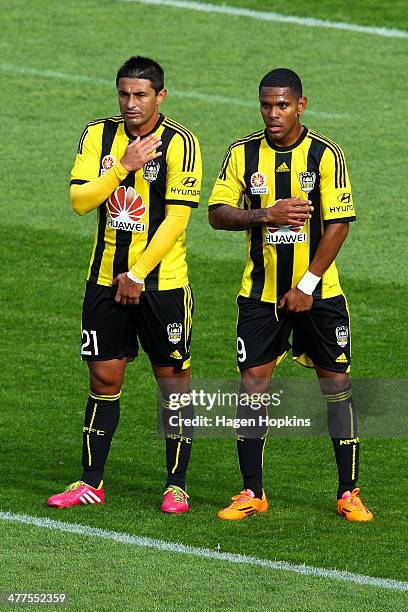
88,158
229,186
184,170
335,189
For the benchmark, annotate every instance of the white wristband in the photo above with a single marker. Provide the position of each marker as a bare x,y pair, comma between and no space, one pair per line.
134,278
308,282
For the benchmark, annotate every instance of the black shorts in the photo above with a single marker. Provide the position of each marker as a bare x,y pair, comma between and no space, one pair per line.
321,337
161,322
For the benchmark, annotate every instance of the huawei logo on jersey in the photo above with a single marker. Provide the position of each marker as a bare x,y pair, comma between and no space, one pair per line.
284,234
125,210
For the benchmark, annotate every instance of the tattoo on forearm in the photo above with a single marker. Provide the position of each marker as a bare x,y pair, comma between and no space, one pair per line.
228,218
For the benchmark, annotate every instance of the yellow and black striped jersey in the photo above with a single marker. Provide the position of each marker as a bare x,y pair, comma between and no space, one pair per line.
256,173
129,218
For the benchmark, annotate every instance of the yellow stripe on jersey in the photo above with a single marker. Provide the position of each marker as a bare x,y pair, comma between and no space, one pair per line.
163,241
183,178
189,156
269,255
340,177
139,240
95,243
106,267
227,157
301,254
246,285
116,119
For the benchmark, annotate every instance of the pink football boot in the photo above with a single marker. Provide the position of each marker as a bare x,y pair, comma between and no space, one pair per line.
77,493
175,500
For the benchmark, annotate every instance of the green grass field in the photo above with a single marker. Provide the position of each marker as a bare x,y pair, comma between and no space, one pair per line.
57,68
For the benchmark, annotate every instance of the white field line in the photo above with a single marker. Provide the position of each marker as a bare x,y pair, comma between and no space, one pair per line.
268,16
162,545
192,95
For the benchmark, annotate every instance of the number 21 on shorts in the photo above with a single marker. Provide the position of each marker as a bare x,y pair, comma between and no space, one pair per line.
241,351
89,343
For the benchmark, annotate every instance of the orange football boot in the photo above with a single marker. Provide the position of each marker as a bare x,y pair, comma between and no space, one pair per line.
352,508
243,505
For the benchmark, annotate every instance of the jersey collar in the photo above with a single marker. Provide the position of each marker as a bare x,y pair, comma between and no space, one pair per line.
290,147
159,122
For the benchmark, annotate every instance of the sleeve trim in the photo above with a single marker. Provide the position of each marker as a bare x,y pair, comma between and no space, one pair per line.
214,206
218,204
78,182
341,220
183,203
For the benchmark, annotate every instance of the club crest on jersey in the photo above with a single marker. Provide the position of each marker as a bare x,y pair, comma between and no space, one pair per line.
125,210
284,234
107,162
151,170
307,181
174,331
342,335
258,184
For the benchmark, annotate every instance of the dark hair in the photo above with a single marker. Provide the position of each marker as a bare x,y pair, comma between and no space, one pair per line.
282,77
138,67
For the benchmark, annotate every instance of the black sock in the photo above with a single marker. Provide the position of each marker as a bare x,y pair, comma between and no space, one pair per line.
177,457
342,423
101,420
250,455
347,451
251,434
176,418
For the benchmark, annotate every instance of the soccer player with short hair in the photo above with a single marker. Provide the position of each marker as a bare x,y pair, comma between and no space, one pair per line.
297,206
141,172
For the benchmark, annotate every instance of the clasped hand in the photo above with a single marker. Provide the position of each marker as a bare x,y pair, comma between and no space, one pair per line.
128,292
295,300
